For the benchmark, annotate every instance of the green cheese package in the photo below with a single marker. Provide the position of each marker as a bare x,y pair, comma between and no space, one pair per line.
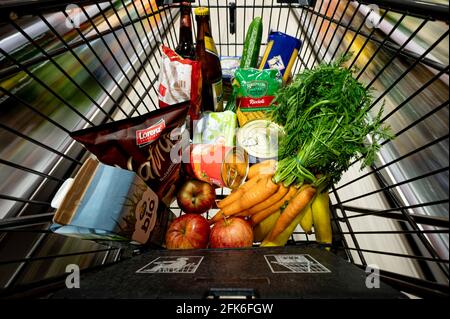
255,91
216,128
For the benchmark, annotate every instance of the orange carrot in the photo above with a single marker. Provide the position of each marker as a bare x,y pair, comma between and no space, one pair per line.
244,213
260,192
263,214
266,167
282,191
218,216
237,193
295,206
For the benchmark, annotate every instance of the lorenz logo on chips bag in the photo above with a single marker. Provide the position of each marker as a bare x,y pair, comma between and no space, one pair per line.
148,135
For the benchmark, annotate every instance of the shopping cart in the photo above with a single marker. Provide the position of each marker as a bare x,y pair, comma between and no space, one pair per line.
66,65
299,263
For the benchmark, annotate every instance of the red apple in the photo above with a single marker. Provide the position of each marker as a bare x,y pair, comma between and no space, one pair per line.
196,197
188,231
233,232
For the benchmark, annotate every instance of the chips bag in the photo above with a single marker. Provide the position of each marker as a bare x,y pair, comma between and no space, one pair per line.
144,144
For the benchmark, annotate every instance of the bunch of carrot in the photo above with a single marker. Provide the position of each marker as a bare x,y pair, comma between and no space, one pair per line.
259,197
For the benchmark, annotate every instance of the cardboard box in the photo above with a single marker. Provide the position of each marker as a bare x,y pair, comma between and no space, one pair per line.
110,203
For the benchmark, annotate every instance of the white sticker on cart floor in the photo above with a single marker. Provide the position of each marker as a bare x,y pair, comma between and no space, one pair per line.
172,264
283,263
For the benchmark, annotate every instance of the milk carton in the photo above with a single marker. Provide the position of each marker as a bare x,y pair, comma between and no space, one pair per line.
109,203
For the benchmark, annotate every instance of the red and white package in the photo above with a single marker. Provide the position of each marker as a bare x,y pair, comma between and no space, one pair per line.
180,80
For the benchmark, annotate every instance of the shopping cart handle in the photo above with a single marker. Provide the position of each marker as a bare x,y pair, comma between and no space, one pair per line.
234,293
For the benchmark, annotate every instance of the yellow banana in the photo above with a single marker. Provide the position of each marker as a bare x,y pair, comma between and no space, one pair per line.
322,218
265,226
306,221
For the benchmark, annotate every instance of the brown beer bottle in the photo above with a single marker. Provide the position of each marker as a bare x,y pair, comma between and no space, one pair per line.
212,97
186,47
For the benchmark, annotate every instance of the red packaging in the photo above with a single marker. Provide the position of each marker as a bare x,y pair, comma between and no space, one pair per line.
145,144
219,165
180,80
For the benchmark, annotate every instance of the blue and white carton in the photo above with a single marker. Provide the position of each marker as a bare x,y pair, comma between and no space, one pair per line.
108,203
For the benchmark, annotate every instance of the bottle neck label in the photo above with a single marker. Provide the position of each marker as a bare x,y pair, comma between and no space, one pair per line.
217,92
210,46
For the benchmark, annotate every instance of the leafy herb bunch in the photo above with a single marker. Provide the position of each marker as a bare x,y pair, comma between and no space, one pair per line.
326,120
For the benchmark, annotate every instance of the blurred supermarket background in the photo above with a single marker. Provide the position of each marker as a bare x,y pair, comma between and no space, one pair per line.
52,81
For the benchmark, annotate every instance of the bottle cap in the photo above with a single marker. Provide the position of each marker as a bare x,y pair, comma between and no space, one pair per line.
201,11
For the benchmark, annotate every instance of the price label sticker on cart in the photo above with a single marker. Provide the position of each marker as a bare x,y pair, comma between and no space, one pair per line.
285,263
171,265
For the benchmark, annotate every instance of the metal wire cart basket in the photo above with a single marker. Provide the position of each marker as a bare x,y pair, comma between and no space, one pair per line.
67,65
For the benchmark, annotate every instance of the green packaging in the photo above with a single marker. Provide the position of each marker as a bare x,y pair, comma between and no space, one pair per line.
216,128
255,91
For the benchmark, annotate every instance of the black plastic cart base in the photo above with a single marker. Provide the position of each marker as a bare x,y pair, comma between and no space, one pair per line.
266,273
66,65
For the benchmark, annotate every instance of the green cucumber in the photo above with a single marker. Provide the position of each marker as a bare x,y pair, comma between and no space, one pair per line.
252,44
231,103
